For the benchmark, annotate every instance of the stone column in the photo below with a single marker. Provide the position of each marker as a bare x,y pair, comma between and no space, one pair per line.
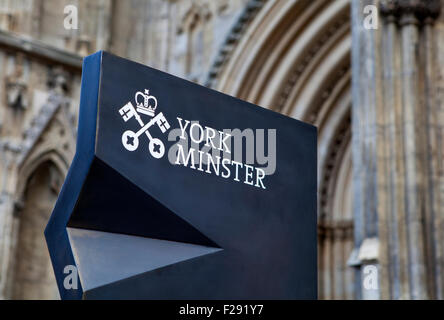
365,102
395,250
433,60
8,155
396,146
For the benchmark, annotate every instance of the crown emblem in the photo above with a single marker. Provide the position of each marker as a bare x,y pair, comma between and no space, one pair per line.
143,106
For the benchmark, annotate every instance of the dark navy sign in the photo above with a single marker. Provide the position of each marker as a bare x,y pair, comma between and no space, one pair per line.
181,192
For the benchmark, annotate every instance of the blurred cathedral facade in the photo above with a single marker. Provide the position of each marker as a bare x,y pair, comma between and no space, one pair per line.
376,96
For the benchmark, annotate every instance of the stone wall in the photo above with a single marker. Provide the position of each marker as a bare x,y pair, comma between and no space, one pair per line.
40,70
180,37
398,146
376,97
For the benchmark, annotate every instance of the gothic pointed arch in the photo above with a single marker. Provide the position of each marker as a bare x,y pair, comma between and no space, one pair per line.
42,165
31,275
294,57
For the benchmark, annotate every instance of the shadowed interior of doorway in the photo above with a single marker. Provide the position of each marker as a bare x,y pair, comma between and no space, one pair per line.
33,274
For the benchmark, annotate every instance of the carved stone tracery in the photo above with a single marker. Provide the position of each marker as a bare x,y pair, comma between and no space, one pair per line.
16,86
410,10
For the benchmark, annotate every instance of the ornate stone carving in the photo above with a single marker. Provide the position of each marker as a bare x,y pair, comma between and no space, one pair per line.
419,9
16,87
39,123
251,10
58,80
195,15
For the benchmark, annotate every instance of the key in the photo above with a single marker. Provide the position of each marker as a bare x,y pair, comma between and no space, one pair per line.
130,139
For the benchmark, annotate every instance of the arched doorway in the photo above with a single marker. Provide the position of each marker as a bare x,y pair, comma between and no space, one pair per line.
294,58
33,274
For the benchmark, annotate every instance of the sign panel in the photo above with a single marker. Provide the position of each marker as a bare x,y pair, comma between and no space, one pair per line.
181,192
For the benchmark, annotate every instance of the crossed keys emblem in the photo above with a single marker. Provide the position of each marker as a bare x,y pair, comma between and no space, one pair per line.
130,139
